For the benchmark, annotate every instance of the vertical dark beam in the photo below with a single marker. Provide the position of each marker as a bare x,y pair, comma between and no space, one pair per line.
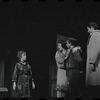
1,73
52,78
8,72
1,77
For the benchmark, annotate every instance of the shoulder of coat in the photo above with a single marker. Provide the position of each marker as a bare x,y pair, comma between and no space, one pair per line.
96,34
75,49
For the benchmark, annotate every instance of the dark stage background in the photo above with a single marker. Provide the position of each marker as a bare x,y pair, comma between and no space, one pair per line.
32,26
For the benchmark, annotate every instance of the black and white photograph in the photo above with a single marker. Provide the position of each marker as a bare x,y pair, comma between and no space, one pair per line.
49,49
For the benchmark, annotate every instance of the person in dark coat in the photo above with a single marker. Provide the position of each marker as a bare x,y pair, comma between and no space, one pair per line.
22,77
73,64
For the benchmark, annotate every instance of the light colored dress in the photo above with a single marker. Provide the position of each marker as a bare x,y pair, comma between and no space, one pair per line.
62,81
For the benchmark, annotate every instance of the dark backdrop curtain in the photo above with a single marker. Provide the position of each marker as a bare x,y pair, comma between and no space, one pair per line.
2,67
53,79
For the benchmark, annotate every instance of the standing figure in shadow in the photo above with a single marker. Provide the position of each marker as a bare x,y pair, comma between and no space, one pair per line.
73,66
61,71
23,81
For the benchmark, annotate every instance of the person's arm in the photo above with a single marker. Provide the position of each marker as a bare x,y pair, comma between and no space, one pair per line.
94,51
31,74
76,53
15,74
67,54
56,56
59,60
33,84
95,48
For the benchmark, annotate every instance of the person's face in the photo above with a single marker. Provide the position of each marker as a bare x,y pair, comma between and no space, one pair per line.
68,44
23,57
59,46
89,30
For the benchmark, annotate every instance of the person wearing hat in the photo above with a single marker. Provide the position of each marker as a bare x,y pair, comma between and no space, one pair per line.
72,66
22,77
93,55
61,70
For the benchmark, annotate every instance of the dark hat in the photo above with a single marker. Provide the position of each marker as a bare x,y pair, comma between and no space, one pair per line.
64,45
71,39
61,41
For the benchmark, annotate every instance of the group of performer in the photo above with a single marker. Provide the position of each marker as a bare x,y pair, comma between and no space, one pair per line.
68,60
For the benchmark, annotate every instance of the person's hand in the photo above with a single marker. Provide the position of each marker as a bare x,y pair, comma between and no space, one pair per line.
92,67
14,86
33,85
79,48
81,72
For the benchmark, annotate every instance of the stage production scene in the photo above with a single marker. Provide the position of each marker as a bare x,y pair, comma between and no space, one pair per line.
49,49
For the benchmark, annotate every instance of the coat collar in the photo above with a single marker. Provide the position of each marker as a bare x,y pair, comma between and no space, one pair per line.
94,32
91,35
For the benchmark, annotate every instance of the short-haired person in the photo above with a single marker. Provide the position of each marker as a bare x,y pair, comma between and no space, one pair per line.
93,55
23,81
73,66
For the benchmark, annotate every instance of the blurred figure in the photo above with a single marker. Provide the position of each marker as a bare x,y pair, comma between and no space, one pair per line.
61,71
73,63
23,81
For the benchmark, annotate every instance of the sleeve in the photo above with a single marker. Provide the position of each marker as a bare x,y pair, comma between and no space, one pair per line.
56,56
30,72
59,59
15,74
67,54
77,56
95,48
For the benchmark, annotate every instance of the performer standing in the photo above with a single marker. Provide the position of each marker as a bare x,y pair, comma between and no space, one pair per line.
93,55
73,61
61,71
22,77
